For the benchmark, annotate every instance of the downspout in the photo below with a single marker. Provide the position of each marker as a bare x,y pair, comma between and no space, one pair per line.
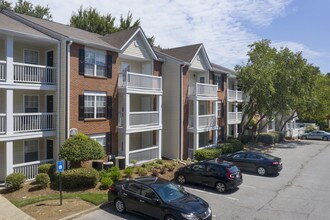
58,121
68,88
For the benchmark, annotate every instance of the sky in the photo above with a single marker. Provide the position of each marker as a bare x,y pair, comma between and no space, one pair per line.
225,27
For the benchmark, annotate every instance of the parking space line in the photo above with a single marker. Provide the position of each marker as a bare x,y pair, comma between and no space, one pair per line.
210,193
232,198
247,186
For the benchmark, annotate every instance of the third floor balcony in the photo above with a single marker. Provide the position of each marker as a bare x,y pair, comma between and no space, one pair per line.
140,83
235,95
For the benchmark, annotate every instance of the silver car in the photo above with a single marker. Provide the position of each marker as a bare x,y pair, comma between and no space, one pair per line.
316,135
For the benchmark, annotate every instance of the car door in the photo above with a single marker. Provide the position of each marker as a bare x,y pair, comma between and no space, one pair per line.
196,171
210,175
252,162
239,160
130,195
149,203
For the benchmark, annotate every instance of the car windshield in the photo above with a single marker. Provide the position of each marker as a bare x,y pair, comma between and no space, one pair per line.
268,156
233,169
169,192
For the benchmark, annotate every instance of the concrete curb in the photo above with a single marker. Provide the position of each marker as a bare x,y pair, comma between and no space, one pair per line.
78,214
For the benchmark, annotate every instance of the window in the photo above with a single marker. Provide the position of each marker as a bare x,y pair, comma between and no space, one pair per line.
31,150
148,193
239,156
31,103
217,80
133,187
198,167
219,109
95,63
31,57
101,138
95,105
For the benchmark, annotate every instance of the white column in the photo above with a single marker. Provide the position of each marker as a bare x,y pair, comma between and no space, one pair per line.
9,111
159,109
235,131
10,60
215,112
127,110
196,141
126,148
196,113
159,143
9,157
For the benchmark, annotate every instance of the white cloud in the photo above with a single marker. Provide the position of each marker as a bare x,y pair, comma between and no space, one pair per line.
218,24
297,47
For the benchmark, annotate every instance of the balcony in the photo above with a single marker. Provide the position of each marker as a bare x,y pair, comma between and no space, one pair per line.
139,119
140,83
2,70
235,95
2,123
144,154
203,91
234,117
205,122
27,73
29,122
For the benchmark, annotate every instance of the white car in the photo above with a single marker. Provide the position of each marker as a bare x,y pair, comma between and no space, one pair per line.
316,135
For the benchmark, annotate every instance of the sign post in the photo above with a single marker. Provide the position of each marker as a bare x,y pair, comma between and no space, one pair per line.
60,169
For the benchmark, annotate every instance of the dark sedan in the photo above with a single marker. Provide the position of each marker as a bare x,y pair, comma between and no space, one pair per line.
251,161
157,198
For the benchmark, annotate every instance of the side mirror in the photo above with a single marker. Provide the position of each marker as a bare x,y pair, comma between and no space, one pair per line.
156,201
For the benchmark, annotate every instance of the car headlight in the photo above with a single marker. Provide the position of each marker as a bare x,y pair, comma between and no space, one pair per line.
190,216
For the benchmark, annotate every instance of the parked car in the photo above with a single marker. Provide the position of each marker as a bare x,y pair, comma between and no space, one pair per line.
316,135
251,161
157,198
221,176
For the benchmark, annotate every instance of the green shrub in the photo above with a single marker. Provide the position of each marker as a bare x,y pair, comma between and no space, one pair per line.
310,128
15,181
134,162
79,178
48,168
245,139
115,173
129,171
237,144
159,161
227,148
43,180
106,182
80,147
207,153
278,136
103,174
266,138
142,171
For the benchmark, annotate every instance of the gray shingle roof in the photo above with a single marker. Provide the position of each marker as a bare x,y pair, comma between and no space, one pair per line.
185,53
222,69
119,39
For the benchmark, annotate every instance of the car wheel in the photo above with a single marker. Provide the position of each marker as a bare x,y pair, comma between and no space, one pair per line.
261,171
325,138
303,137
120,206
169,217
220,187
181,179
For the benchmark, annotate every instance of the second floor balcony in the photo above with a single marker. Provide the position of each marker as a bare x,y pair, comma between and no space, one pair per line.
141,119
204,123
203,91
140,83
234,117
235,95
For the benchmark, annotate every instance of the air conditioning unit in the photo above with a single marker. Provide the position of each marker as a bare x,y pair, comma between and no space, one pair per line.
73,131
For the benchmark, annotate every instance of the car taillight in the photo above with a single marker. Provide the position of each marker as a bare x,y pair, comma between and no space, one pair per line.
111,189
275,163
229,175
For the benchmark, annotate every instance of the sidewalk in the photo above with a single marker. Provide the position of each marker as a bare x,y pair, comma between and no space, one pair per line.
10,211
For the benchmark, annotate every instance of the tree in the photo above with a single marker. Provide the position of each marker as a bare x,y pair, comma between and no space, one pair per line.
81,148
26,7
127,23
279,83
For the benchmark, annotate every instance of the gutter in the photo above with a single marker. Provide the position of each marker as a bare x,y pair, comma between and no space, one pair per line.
68,88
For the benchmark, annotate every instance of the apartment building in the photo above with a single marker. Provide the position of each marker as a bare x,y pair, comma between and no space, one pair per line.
191,103
56,80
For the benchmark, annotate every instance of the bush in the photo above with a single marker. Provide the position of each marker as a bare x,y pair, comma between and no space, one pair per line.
227,148
266,138
245,139
310,128
115,173
237,144
278,136
80,147
142,171
129,171
106,182
207,153
43,180
159,161
15,181
49,169
134,162
79,178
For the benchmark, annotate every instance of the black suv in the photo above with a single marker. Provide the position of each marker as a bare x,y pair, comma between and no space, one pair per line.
213,173
157,198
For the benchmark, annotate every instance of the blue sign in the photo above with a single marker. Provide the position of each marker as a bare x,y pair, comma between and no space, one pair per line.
60,166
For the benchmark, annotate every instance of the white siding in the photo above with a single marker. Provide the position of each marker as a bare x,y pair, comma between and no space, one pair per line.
198,63
18,152
171,110
19,99
136,48
2,161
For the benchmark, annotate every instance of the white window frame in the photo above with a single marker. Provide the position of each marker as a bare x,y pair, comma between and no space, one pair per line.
98,52
96,94
219,104
218,84
99,136
24,146
25,49
25,95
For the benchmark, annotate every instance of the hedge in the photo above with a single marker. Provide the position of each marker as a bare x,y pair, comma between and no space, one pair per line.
270,138
49,169
15,181
43,180
79,178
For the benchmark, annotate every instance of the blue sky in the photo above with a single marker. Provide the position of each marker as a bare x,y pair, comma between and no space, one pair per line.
225,27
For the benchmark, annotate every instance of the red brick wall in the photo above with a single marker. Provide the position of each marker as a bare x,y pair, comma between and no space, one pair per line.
79,84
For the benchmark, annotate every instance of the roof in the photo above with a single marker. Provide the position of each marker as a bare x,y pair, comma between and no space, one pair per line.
61,30
222,69
9,24
185,53
119,39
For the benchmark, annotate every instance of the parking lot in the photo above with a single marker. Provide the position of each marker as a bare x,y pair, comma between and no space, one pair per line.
300,191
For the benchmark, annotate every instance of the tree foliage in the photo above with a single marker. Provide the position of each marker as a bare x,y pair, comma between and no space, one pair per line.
279,83
81,148
27,8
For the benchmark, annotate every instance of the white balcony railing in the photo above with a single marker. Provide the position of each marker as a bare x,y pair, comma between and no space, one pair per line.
235,95
139,81
204,121
143,118
27,73
203,90
30,170
2,123
2,70
149,153
24,122
235,117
